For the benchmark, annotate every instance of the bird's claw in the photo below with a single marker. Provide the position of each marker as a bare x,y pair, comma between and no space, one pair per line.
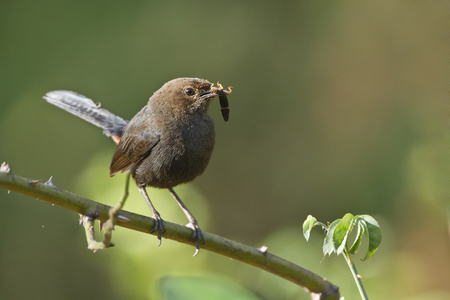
197,235
160,227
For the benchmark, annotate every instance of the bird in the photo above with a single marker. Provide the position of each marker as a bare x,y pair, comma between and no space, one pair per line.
167,143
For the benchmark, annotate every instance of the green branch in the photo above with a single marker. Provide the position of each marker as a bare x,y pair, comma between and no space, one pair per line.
319,287
356,276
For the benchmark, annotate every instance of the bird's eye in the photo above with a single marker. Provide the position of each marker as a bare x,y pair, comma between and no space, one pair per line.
189,91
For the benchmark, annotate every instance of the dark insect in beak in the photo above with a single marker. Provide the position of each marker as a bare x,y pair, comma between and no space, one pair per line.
224,106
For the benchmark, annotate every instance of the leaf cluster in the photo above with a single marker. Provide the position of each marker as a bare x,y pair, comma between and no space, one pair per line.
337,234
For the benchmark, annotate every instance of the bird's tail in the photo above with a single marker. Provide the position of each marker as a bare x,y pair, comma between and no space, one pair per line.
86,109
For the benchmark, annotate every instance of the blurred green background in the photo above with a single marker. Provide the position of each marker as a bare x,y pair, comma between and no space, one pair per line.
336,107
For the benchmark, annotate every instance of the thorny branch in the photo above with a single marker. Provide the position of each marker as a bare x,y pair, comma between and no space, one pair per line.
319,287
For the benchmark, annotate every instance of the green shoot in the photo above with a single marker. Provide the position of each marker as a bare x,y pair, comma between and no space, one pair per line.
336,239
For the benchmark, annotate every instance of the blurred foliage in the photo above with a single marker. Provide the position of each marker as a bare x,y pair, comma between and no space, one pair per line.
207,287
336,108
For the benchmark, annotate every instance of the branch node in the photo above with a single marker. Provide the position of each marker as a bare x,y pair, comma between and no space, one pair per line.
6,168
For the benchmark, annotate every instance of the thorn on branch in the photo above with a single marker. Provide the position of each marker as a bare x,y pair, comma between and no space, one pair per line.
263,249
122,218
50,182
33,182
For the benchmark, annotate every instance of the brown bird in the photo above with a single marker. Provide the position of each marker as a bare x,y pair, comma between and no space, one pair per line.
167,143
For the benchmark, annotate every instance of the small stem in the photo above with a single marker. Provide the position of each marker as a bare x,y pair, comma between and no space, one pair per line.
358,281
113,213
88,224
108,226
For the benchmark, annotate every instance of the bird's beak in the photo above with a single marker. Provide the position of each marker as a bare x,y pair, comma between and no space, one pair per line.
209,94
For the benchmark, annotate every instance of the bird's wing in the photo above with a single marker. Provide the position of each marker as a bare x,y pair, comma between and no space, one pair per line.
131,150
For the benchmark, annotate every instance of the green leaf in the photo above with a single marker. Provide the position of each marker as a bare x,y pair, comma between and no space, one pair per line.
358,238
373,234
328,242
341,232
309,223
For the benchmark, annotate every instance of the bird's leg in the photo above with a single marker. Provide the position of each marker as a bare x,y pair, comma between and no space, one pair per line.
197,233
159,223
